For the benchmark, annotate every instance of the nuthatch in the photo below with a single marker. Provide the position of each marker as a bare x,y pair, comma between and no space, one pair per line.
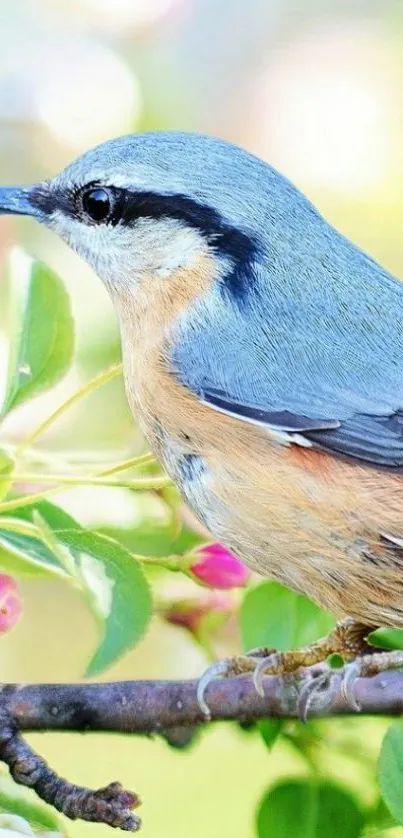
263,358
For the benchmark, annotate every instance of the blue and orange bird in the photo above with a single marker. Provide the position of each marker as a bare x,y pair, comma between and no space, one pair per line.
263,359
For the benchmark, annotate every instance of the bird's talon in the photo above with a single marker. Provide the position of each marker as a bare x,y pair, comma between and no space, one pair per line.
307,695
217,670
259,673
351,672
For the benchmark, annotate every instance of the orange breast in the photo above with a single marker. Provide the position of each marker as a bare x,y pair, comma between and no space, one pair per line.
308,519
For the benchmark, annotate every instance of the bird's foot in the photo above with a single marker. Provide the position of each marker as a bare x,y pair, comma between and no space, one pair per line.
323,684
227,668
347,639
366,667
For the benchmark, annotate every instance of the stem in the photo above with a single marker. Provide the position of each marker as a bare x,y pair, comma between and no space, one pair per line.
174,563
133,462
38,457
28,500
93,384
141,483
206,643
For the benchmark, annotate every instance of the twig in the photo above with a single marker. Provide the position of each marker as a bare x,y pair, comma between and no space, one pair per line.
150,707
84,390
111,805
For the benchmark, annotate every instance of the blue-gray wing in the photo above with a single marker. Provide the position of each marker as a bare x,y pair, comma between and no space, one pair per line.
376,439
323,361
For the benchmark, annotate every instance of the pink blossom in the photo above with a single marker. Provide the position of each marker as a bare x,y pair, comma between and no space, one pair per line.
190,613
10,603
217,567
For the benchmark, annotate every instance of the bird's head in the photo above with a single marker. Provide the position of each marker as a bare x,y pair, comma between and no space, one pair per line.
142,207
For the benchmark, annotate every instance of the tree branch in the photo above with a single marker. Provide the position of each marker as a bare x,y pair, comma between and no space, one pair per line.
166,708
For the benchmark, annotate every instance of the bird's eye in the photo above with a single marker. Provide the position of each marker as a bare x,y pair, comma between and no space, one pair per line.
97,204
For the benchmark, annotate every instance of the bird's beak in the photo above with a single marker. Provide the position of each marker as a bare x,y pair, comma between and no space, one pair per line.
17,200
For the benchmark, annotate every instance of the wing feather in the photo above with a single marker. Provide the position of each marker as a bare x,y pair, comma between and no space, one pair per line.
316,352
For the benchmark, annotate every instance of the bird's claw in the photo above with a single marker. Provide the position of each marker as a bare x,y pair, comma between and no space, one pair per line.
238,665
315,691
322,686
261,669
351,672
316,687
321,683
217,670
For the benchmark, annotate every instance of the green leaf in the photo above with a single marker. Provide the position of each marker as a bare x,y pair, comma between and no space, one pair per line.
379,818
181,738
308,809
18,802
390,770
118,593
54,515
23,555
44,344
6,470
270,729
153,538
388,638
273,616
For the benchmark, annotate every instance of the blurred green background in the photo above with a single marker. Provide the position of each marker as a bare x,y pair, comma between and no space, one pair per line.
315,89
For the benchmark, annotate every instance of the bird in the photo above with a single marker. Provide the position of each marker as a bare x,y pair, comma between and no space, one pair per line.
263,360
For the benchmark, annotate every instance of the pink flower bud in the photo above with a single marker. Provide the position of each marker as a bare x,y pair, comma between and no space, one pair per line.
10,603
218,567
190,613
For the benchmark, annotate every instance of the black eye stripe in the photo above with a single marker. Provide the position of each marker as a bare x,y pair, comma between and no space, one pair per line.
239,245
129,206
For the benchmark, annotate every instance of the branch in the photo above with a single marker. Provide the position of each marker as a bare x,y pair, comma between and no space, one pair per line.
111,805
145,707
